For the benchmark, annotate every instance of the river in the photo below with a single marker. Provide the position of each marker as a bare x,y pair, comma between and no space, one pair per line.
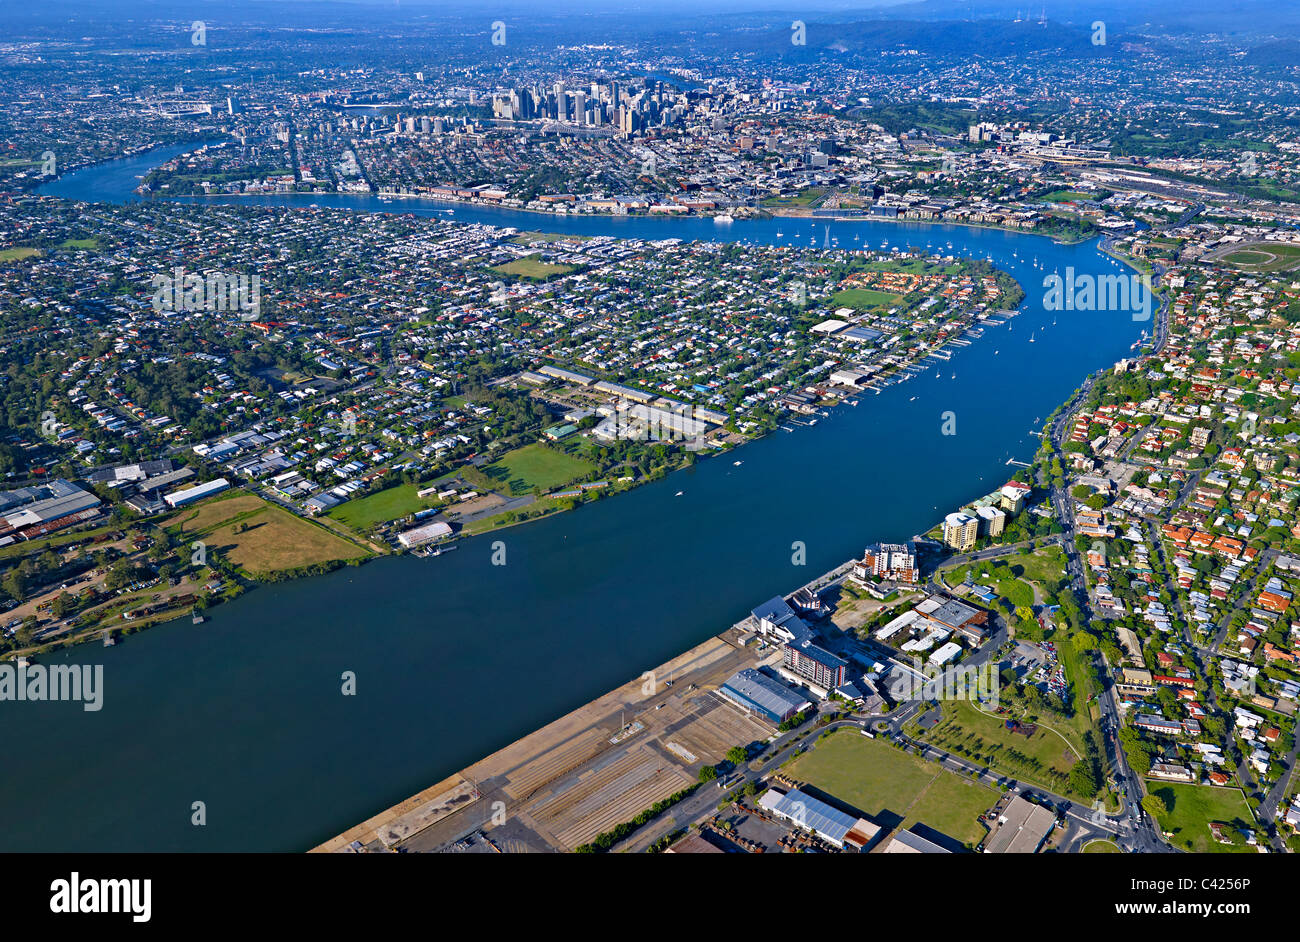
455,657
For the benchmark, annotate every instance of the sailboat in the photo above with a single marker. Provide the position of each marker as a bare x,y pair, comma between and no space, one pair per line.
1031,337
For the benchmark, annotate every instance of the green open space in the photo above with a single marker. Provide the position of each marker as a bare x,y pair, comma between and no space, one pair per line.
542,238
1015,577
802,198
386,505
17,254
532,268
261,538
1265,257
536,465
1066,196
1191,810
1043,758
890,785
864,298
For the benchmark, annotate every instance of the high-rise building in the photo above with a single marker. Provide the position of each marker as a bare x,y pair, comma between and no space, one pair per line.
960,531
818,665
993,520
1013,496
895,561
561,103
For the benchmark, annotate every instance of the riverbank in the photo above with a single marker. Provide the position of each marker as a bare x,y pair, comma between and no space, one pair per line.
607,733
721,218
586,601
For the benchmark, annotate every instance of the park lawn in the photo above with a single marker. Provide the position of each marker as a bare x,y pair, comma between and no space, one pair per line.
864,298
91,243
1045,758
535,465
530,267
1065,196
1191,810
11,255
388,504
889,785
1043,567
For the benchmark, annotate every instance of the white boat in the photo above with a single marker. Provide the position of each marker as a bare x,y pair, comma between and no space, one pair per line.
1031,337
678,494
737,464
913,399
723,219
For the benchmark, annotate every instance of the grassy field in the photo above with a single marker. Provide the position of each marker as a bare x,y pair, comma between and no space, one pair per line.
1265,257
398,501
536,465
271,539
1044,758
893,787
531,268
91,243
1066,196
1014,577
1193,807
802,198
864,298
542,238
10,255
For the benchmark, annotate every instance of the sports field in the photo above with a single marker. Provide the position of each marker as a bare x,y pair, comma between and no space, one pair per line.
864,298
1264,257
533,269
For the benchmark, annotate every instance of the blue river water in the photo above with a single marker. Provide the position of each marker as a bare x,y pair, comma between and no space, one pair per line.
455,657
